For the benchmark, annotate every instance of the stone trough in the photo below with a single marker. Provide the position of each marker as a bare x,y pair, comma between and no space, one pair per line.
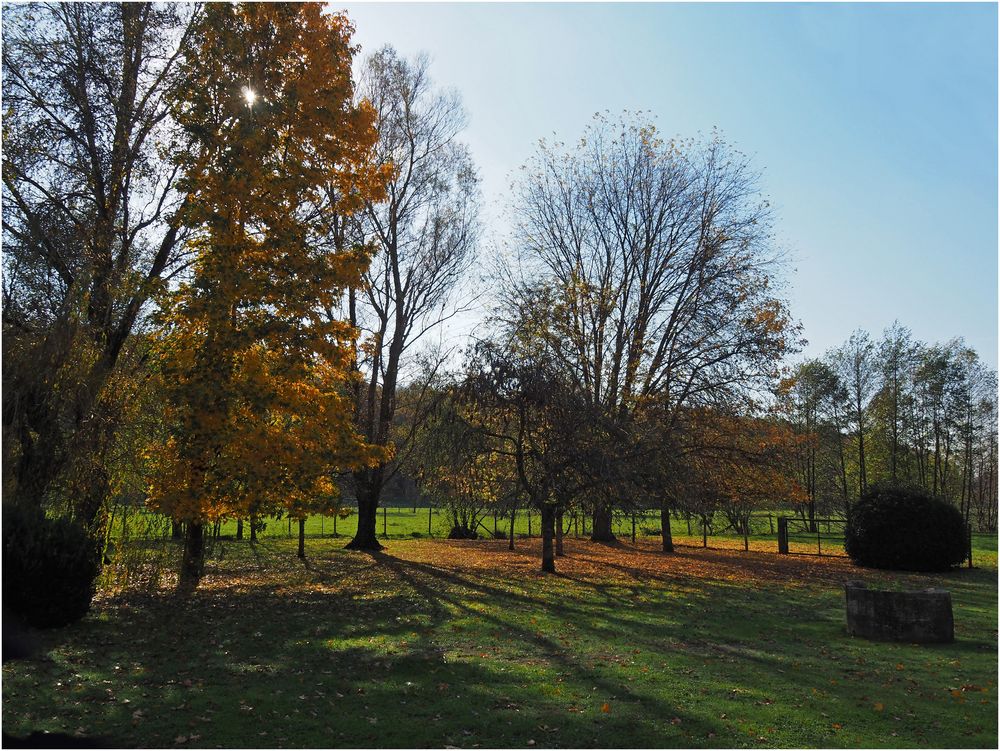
922,617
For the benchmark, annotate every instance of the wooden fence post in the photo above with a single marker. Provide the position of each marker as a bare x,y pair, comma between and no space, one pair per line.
783,535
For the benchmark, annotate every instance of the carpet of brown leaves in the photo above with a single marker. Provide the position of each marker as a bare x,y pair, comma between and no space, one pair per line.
622,561
328,568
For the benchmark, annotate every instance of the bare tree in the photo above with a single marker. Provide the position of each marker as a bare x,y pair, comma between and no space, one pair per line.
423,235
90,224
896,352
856,365
660,262
937,378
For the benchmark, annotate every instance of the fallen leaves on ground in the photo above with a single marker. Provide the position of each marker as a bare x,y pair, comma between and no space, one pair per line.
620,561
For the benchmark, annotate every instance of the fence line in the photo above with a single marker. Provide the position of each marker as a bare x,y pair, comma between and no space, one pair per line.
783,533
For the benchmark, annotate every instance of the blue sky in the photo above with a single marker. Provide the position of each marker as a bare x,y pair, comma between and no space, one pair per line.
875,127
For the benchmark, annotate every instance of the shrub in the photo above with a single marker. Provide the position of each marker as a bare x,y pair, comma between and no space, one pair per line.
49,568
144,562
904,527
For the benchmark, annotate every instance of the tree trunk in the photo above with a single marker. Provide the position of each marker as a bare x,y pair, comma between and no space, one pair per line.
862,474
548,533
894,447
302,537
90,506
176,529
937,455
193,564
366,538
253,528
668,540
559,533
239,529
513,518
843,473
601,531
34,468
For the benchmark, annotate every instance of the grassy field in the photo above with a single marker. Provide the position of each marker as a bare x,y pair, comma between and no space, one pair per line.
442,643
406,523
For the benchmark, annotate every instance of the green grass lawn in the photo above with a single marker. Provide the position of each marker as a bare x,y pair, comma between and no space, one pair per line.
409,522
437,643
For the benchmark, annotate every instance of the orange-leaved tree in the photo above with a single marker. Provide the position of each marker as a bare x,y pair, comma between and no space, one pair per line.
735,464
258,381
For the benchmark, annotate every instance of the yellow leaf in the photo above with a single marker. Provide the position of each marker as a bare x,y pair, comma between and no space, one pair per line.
879,706
605,707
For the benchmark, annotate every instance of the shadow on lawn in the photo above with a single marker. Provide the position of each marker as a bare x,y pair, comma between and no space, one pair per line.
353,649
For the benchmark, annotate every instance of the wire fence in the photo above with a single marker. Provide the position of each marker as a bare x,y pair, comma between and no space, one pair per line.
774,531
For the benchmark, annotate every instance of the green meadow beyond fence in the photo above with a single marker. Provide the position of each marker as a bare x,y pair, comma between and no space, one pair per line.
763,531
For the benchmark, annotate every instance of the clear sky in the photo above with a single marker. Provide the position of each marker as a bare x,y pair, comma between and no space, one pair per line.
875,127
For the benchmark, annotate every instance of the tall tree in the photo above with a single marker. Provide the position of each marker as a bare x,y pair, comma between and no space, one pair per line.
855,362
659,262
260,382
967,404
896,352
983,498
90,227
935,379
423,234
814,399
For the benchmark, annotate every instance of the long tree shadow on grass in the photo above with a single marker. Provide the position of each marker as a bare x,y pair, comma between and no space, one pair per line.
257,670
354,650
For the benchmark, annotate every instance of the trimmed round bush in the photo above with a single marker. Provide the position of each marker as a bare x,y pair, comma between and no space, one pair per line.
903,527
50,568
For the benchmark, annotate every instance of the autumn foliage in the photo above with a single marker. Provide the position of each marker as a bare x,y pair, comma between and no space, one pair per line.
256,378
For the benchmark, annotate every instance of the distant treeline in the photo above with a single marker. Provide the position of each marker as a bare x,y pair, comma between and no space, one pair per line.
895,408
